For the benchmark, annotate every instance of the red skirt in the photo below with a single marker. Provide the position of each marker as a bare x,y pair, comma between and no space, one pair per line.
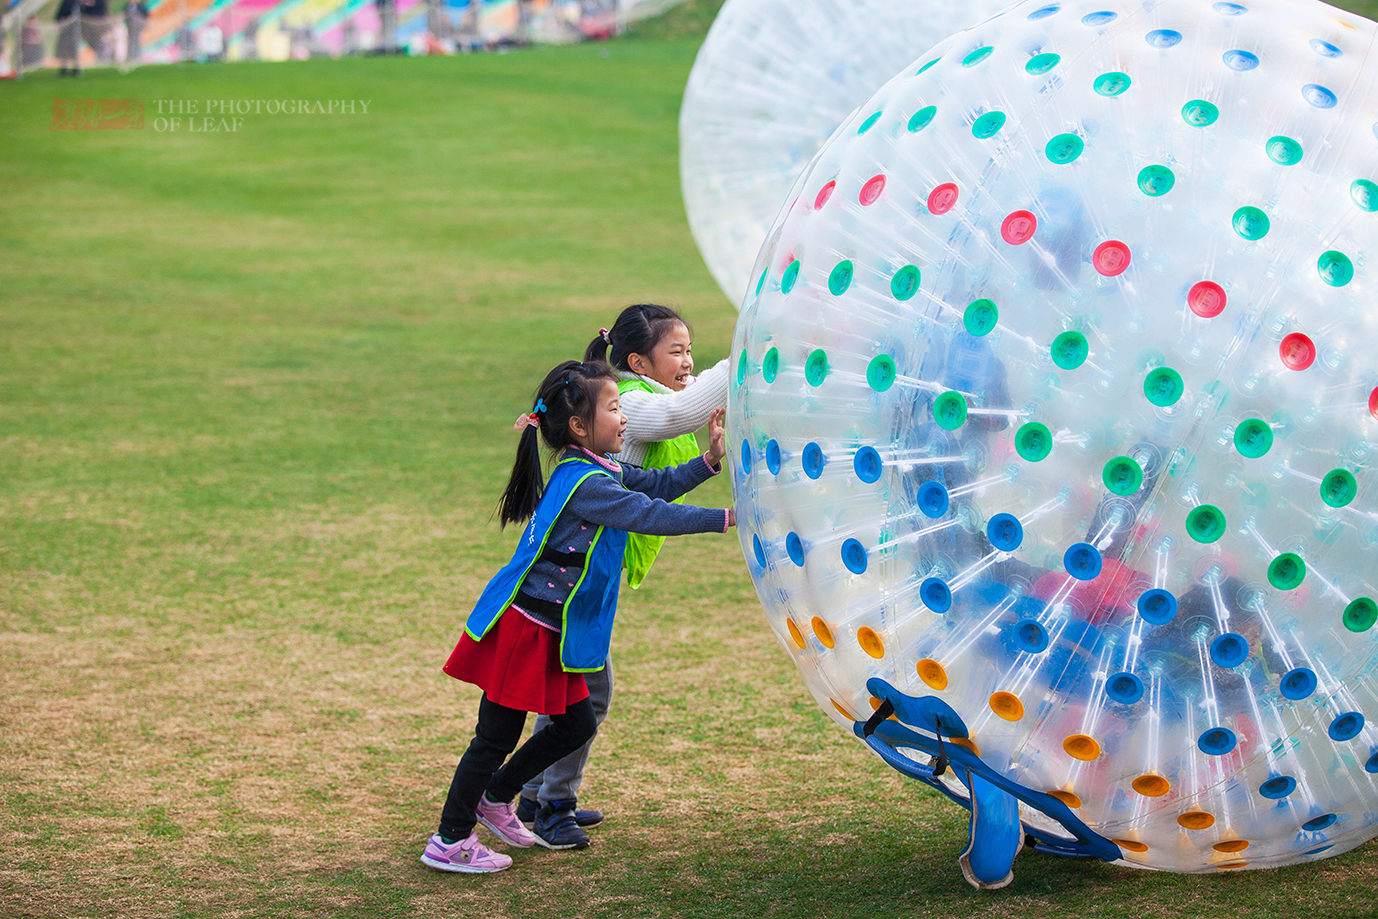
517,664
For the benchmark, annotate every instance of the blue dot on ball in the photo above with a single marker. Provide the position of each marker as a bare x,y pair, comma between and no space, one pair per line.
933,499
1298,684
1083,561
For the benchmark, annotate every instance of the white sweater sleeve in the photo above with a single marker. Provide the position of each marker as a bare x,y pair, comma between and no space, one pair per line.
660,416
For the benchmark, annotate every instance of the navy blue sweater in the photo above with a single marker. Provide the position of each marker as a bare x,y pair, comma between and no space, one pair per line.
638,503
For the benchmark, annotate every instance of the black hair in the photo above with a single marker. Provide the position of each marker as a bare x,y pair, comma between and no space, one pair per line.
569,391
638,329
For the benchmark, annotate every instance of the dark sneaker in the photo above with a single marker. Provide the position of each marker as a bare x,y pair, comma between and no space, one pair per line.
557,829
587,819
527,811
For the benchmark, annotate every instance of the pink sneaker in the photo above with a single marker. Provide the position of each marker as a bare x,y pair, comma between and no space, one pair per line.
502,820
468,856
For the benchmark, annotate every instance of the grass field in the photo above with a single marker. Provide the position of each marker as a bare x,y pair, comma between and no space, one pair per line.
256,391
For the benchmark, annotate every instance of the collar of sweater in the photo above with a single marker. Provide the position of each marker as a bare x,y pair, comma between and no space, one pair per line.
656,386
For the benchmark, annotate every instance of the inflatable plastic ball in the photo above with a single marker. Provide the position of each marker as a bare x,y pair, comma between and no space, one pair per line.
1056,403
772,80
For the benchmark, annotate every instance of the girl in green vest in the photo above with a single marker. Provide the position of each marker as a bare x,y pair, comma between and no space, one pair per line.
652,354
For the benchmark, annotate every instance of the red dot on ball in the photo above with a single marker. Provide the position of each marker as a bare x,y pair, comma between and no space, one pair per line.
871,190
1018,228
1111,258
1373,402
1297,351
824,194
1206,299
942,199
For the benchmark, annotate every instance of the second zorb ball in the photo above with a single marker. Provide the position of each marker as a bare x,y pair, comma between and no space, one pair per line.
1056,402
773,79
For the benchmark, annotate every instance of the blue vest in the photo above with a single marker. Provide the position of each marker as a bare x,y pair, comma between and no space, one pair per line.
586,631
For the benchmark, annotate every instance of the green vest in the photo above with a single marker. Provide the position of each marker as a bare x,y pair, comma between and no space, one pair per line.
641,549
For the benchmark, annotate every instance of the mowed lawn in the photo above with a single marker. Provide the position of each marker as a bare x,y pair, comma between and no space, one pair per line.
256,393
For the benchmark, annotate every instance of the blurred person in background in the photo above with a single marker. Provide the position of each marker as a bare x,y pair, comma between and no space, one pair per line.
68,38
135,15
387,24
249,50
95,26
210,44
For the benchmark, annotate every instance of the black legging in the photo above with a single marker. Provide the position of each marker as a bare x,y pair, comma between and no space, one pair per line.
481,767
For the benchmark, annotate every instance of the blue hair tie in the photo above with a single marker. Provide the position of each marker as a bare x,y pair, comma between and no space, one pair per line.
540,406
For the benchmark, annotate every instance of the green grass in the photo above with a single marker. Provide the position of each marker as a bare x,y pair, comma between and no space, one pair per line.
255,403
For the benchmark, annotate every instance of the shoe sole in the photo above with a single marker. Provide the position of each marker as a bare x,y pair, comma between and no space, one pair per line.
504,837
458,869
569,845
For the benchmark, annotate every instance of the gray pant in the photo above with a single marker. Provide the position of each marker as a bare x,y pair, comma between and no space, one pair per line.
561,781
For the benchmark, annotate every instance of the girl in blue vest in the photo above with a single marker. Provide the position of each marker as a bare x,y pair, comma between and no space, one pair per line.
546,618
653,356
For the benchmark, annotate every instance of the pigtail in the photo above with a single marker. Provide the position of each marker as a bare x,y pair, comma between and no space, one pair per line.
527,484
598,348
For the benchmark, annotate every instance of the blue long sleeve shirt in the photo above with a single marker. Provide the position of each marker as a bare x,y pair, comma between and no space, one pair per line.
633,499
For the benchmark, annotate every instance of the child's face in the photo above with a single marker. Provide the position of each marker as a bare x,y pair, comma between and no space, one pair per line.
670,362
608,423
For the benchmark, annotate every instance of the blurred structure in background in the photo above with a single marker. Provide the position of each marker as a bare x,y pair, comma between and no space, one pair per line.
75,34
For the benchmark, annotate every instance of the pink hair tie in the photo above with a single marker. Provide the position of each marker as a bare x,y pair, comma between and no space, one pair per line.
604,333
524,421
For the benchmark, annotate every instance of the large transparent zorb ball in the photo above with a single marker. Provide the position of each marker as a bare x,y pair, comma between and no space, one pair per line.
773,79
1055,397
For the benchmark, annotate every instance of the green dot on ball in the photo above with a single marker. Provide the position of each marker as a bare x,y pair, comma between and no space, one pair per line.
905,283
1364,194
1199,113
928,65
922,117
1206,523
840,278
762,282
1123,476
790,276
1250,223
1253,438
1163,386
1360,615
950,410
1287,571
1335,268
987,125
1069,350
977,56
816,367
741,368
980,317
770,365
1064,148
1339,487
1033,442
1283,150
880,373
1111,84
1156,181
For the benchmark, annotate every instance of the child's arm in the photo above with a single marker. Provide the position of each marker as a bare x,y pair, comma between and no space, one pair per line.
600,500
662,416
669,483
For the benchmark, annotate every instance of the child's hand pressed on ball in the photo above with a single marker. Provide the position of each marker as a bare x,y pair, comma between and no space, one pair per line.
717,437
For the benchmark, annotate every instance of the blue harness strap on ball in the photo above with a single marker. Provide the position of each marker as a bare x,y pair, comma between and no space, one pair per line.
996,831
994,835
